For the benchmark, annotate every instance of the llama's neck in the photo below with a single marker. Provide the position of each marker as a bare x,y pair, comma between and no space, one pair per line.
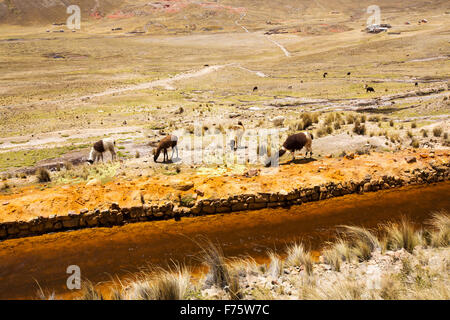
92,154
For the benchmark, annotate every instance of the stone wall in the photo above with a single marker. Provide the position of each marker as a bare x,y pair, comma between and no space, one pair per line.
115,215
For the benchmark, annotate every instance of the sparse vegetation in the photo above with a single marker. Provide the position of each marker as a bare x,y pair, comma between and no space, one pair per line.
43,175
412,266
359,128
437,131
298,256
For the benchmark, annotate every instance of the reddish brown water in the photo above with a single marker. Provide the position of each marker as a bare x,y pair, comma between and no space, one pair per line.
105,252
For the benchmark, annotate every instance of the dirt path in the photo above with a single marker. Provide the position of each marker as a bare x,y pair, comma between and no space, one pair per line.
286,53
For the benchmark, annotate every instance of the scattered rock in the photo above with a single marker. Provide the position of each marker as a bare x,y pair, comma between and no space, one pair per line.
252,173
183,185
411,159
350,156
93,182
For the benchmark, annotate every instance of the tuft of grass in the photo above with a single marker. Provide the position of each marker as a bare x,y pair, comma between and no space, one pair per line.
424,133
307,120
350,119
338,252
276,265
68,165
337,125
359,129
88,292
332,258
298,256
440,235
235,290
162,285
402,235
364,242
214,259
437,131
43,175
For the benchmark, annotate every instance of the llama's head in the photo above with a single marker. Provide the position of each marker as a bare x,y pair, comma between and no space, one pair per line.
155,154
90,161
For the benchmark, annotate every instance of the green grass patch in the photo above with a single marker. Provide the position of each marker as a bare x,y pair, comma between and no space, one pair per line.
29,158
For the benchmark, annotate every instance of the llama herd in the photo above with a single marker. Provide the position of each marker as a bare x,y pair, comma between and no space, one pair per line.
293,143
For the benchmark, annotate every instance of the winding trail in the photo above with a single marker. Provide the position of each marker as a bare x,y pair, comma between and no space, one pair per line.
165,83
237,23
286,53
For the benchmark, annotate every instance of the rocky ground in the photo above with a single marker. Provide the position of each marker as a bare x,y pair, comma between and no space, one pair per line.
423,274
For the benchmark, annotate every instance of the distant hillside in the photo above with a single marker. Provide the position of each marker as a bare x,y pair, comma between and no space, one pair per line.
220,12
29,12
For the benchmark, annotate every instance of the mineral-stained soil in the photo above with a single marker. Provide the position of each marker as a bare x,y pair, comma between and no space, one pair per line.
33,201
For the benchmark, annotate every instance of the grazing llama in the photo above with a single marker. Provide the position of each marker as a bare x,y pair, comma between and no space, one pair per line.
100,147
293,143
168,142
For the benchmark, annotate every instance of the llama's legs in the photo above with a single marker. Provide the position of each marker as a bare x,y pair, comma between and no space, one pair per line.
113,155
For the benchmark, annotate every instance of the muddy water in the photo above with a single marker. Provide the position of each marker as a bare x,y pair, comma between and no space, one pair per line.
103,252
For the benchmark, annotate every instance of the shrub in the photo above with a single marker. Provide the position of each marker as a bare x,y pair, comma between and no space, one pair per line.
391,123
424,133
413,125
